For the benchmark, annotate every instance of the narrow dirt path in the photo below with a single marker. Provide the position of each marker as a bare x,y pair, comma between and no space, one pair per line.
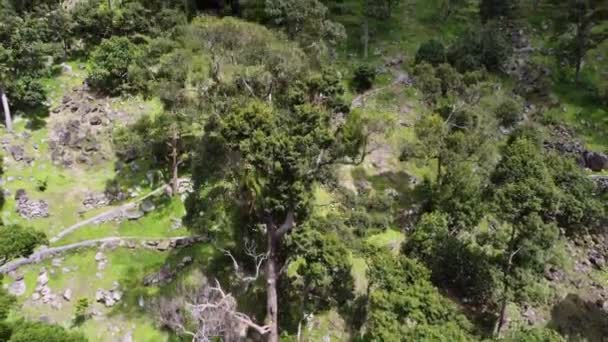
113,241
108,215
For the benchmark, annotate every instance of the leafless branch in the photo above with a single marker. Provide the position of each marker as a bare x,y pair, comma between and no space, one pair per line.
206,313
258,260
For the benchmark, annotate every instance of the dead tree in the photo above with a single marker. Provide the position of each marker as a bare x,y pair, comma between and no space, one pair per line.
205,314
7,112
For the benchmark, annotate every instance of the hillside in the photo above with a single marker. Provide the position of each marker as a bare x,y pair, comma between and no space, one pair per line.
304,170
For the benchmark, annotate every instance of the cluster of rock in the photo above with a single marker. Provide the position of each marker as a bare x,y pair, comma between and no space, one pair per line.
101,260
76,137
28,208
17,288
601,182
18,154
564,141
166,273
43,292
109,297
95,200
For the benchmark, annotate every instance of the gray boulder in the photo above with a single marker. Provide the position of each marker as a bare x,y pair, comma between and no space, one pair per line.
596,161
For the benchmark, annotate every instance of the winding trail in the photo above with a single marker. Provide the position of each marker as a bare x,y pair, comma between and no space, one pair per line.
110,214
113,241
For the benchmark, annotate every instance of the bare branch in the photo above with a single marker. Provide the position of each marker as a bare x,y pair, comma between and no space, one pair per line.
205,314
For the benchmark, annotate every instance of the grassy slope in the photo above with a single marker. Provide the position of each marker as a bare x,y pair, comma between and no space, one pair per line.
65,191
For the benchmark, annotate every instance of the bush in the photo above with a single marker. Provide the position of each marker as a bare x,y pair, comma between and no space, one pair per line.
111,63
477,49
25,331
432,52
426,81
17,241
509,112
81,313
363,78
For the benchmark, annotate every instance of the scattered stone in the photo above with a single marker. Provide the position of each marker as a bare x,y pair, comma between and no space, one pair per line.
17,288
99,256
95,120
43,278
163,245
176,223
30,208
35,296
17,152
128,337
596,161
553,274
56,305
597,260
108,298
134,214
601,182
67,295
147,206
56,262
66,68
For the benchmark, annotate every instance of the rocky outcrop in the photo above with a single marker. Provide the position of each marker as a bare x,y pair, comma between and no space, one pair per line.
30,209
82,123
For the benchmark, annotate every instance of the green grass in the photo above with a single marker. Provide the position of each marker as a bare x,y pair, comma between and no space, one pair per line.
156,224
359,274
581,110
389,238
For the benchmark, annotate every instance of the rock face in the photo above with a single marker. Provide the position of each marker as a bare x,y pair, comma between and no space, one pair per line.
30,209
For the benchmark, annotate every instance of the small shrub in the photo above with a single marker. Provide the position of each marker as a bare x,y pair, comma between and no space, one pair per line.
432,52
17,241
41,185
509,112
363,78
81,313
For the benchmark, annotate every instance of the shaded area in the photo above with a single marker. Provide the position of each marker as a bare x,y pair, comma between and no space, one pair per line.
578,318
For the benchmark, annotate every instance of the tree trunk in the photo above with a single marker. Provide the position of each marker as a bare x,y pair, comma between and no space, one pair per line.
174,163
7,112
272,301
365,38
506,284
439,161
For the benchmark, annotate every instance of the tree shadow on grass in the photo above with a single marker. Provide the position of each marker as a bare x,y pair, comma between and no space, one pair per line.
36,117
577,318
407,186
